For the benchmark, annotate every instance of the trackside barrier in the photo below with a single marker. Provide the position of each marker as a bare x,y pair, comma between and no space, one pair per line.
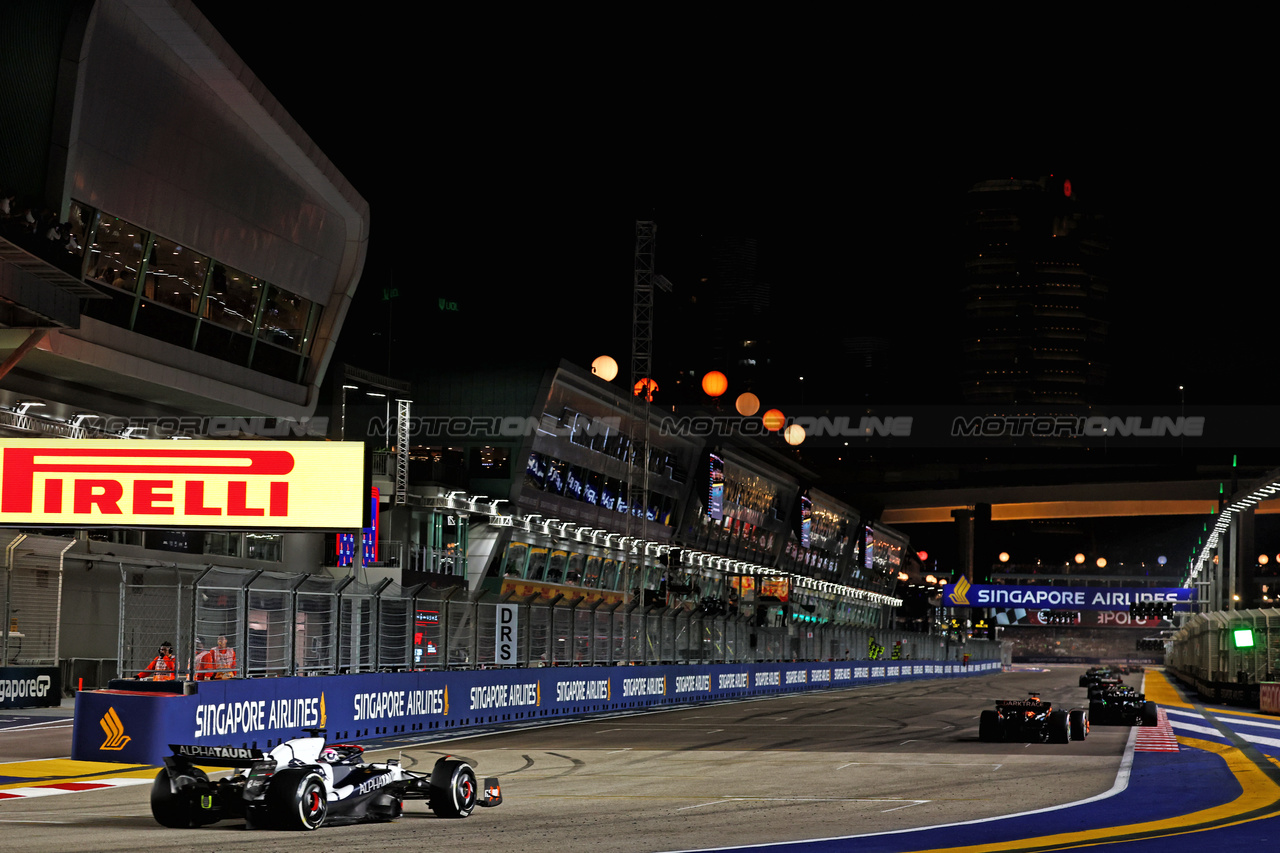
1206,654
136,727
30,687
1269,697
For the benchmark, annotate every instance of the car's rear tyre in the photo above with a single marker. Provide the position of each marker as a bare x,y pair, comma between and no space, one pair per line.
1078,721
1059,727
453,788
989,726
297,800
1149,715
175,811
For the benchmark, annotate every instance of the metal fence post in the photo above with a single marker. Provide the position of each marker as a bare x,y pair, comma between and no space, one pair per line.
293,624
195,600
446,616
473,654
336,627
613,628
376,651
120,621
242,658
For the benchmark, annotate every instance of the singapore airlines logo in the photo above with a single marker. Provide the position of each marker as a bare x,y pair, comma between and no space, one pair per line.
116,738
958,593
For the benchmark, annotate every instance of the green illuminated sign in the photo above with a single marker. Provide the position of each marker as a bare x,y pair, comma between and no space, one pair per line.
1243,638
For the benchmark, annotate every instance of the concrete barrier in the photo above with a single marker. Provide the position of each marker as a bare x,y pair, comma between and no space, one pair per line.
137,727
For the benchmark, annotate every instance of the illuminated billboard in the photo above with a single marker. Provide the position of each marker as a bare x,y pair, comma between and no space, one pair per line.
779,588
275,485
715,488
806,520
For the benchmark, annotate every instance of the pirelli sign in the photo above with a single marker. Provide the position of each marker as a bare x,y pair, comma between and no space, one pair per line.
240,484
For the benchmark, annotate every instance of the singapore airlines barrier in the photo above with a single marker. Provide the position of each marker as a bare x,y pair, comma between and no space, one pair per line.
137,727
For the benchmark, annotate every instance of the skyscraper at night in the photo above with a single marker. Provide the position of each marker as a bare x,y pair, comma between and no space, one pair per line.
726,320
1034,294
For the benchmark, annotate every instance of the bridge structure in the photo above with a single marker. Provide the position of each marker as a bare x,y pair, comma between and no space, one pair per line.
1208,529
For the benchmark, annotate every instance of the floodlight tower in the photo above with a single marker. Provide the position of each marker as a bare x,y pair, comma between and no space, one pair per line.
642,365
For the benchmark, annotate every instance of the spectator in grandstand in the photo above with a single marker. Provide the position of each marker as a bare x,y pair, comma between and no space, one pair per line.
163,666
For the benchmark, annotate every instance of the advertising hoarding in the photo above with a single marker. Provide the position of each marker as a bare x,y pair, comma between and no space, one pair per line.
964,594
275,485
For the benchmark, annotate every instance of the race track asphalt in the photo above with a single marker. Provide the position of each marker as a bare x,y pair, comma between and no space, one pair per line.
878,768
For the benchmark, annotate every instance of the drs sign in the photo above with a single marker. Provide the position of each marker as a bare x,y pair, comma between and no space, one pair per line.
505,649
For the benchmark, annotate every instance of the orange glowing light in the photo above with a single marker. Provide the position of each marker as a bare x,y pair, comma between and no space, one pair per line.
647,387
605,367
715,383
747,404
774,420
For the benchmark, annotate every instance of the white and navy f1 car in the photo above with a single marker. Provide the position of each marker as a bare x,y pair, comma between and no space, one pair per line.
1032,719
304,783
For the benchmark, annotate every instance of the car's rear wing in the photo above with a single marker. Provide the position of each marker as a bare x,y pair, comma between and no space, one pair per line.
217,756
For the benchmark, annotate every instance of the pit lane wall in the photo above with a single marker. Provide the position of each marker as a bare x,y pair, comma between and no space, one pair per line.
137,727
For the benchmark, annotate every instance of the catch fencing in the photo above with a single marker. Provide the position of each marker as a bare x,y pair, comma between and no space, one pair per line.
288,624
31,598
1210,647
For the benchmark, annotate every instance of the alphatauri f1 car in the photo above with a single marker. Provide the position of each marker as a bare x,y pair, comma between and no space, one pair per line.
304,783
1122,706
1032,719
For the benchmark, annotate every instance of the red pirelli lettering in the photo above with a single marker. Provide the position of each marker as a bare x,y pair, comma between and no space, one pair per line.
195,500
22,466
147,497
103,494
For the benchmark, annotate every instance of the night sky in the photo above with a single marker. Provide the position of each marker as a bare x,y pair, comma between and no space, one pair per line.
505,171
505,177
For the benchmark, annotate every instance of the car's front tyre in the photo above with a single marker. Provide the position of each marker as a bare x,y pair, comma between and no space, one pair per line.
453,788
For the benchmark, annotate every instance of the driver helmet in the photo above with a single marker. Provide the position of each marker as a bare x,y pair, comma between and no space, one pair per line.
329,754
